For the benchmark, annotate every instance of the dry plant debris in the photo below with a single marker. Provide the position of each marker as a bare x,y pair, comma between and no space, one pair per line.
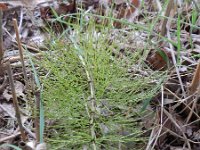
176,124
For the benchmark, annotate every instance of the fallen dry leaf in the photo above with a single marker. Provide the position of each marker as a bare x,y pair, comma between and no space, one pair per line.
3,6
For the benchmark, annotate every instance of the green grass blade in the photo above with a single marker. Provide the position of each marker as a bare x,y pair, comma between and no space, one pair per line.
178,40
37,80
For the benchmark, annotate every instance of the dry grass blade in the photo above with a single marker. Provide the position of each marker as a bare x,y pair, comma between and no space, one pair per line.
161,118
192,110
10,137
171,118
15,102
175,65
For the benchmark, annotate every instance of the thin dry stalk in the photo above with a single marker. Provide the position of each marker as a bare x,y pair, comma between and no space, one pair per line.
187,107
165,29
178,127
161,119
21,19
179,136
34,49
17,58
173,53
195,81
191,123
192,109
20,49
194,87
152,138
9,137
175,134
15,102
174,62
1,45
29,132
172,93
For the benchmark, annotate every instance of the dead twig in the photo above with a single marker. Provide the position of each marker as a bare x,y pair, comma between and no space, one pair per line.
195,80
15,102
173,120
194,86
20,49
175,64
161,119
17,58
1,45
9,137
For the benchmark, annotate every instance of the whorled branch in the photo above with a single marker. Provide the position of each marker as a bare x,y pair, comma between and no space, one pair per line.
92,99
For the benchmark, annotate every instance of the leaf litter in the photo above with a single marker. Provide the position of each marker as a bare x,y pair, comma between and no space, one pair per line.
176,123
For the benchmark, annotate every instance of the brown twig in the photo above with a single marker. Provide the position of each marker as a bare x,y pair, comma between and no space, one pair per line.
29,132
9,137
195,81
15,102
17,58
178,126
194,86
1,45
31,48
20,49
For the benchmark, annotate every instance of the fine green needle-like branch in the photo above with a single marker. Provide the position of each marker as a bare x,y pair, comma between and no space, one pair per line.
92,98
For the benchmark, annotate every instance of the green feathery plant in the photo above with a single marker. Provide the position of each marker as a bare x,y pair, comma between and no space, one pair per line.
90,99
